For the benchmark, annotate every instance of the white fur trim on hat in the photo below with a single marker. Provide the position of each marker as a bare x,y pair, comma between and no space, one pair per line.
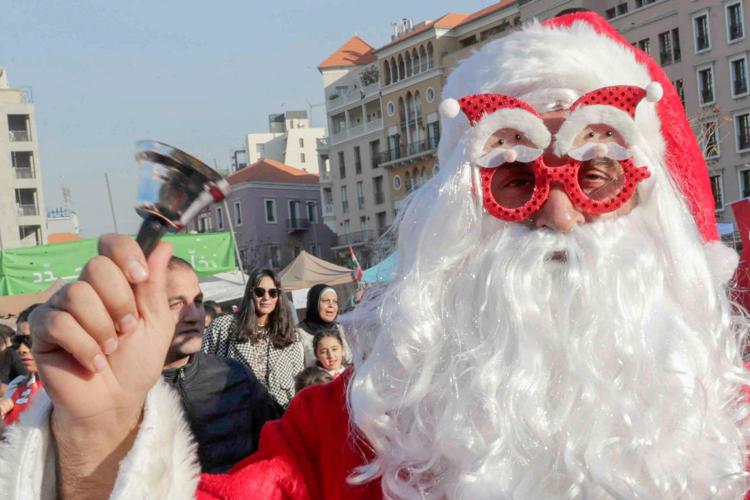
722,260
449,108
518,119
591,115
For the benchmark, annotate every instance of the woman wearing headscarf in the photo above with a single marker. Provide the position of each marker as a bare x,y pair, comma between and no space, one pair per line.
322,311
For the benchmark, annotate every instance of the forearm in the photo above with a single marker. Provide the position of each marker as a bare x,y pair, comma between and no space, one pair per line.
89,453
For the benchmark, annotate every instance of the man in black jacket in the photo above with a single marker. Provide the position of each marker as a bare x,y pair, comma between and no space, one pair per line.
224,403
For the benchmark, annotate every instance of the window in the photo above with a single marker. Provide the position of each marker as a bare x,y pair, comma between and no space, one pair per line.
302,157
274,255
363,224
301,142
375,153
381,222
745,183
642,3
710,139
219,218
342,166
394,148
237,213
706,85
347,226
357,161
679,86
344,200
390,108
294,213
312,211
243,256
270,211
377,188
701,33
430,94
396,182
433,134
314,249
742,131
23,164
717,188
644,45
622,8
610,13
738,74
360,195
19,129
669,47
735,24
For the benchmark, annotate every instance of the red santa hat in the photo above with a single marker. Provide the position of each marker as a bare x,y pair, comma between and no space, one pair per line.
610,60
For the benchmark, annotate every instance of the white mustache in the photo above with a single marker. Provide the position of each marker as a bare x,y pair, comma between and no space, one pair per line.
591,150
499,156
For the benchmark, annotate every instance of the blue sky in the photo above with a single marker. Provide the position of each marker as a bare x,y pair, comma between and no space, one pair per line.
198,75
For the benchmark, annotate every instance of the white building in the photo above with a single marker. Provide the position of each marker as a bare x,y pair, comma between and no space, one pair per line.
22,214
290,140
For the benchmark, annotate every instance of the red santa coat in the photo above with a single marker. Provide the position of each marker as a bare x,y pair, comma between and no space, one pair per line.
307,454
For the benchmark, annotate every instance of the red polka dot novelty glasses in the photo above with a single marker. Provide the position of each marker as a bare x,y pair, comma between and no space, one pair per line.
594,144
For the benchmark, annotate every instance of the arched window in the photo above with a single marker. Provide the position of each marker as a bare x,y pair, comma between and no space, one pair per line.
401,69
394,70
430,56
415,60
401,112
417,106
387,72
422,58
407,60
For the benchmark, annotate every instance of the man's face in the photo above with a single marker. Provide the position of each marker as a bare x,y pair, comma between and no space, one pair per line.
558,213
186,303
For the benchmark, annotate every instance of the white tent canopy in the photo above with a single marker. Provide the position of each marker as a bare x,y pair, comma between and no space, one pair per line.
224,287
307,270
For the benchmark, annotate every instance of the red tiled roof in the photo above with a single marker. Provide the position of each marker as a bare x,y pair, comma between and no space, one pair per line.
64,237
488,10
354,52
450,20
272,171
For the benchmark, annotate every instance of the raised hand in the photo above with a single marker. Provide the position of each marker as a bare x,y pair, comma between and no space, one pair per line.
99,345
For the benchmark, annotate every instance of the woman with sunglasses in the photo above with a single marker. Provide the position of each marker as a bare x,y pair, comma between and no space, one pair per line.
23,388
261,336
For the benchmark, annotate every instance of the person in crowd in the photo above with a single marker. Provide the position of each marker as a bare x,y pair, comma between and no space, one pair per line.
10,364
22,323
562,325
224,403
311,375
209,317
329,351
24,388
212,305
261,336
320,316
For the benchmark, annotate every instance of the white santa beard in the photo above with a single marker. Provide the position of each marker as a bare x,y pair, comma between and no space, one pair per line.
506,375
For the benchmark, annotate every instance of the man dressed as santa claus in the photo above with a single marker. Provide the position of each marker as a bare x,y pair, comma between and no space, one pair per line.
561,326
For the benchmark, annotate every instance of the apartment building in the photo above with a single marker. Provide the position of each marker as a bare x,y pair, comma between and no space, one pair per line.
290,140
22,214
274,211
353,184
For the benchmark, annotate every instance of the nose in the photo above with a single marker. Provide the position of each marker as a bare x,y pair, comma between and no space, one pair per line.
558,212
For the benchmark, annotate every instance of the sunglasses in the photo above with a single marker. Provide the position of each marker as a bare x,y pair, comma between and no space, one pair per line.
260,292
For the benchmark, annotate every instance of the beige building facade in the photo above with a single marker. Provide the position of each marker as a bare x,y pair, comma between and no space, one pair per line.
22,213
290,140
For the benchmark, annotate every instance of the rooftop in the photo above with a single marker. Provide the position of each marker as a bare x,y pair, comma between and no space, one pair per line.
354,52
272,171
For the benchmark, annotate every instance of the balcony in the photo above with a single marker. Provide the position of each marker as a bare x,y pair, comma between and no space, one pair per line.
408,152
19,136
23,172
27,209
357,237
343,134
297,224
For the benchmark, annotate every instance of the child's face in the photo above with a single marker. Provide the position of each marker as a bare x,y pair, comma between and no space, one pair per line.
328,353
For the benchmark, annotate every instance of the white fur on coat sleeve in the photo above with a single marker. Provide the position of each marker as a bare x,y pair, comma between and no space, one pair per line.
162,463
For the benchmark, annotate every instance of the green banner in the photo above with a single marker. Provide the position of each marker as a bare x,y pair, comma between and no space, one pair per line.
33,269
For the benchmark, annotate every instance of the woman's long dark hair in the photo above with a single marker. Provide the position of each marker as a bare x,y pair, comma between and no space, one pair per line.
280,328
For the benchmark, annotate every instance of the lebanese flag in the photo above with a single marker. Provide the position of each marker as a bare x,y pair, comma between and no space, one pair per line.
358,271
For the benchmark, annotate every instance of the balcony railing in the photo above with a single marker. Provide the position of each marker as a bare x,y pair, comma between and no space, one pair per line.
379,197
27,209
707,96
701,43
20,136
24,172
408,150
736,31
297,224
357,237
740,87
